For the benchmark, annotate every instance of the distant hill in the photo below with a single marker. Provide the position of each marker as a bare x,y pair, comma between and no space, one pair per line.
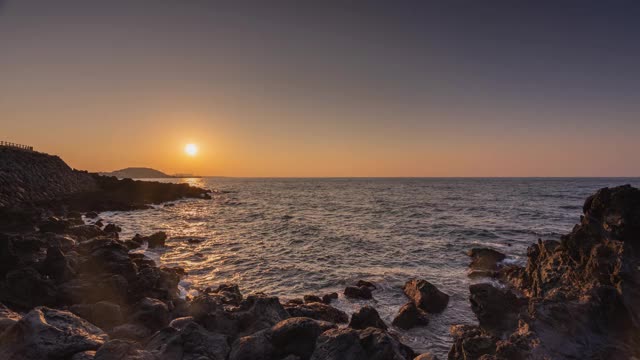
138,173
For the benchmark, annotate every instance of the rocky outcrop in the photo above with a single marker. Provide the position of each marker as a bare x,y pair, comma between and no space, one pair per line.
579,295
410,316
366,317
370,343
484,262
426,296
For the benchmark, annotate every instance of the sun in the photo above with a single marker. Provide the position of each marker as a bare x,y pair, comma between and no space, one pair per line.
191,149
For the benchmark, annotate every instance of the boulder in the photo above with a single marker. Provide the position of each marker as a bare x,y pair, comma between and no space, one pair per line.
497,310
84,355
426,356
85,232
57,266
159,283
91,215
103,314
358,292
95,288
8,257
112,228
7,318
123,350
367,344
410,316
311,299
366,317
152,313
367,284
54,225
111,257
484,262
229,293
471,342
156,240
328,298
192,341
317,311
46,333
26,288
426,296
135,332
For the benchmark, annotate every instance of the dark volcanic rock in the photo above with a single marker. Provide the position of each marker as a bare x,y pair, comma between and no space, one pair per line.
581,294
410,316
426,296
192,341
311,299
358,292
484,261
123,350
91,289
229,293
7,318
317,311
57,266
470,342
155,240
130,331
26,288
327,298
46,333
8,257
112,228
151,313
103,314
367,344
366,317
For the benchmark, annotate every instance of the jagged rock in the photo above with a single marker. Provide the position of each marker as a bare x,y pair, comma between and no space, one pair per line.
181,322
311,299
123,350
317,311
112,228
129,331
366,317
8,257
64,242
112,258
156,240
151,313
85,232
54,225
57,266
355,292
103,314
471,342
291,337
327,298
484,262
229,293
85,355
46,333
26,288
367,344
91,289
91,215
367,284
497,310
426,296
192,341
410,316
426,356
159,283
7,318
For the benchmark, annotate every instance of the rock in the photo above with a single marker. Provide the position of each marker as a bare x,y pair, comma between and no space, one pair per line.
112,228
366,317
26,288
8,257
85,355
129,331
484,262
159,283
311,298
57,266
470,342
111,257
190,342
318,311
7,318
180,323
103,314
230,293
85,232
91,215
95,288
46,333
291,337
152,313
61,241
358,292
426,296
157,240
328,298
53,225
410,316
351,344
497,310
426,356
367,284
123,350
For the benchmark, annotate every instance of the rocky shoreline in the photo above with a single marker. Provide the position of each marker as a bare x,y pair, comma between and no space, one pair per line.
71,289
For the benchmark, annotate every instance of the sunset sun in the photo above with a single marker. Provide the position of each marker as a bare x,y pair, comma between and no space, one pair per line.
191,149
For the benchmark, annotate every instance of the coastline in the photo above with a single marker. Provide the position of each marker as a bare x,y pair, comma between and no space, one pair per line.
62,270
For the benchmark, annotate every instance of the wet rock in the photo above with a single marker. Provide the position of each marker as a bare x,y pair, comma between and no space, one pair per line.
253,347
130,331
85,232
156,240
91,215
54,225
484,262
123,350
497,310
370,343
426,356
159,283
366,317
318,311
92,289
8,257
64,242
367,284
470,342
426,296
46,333
410,316
311,298
151,313
328,298
103,314
229,293
112,228
85,355
192,341
355,292
26,288
181,322
112,258
7,318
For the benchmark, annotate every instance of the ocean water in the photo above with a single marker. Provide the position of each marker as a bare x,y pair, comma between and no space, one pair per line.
291,237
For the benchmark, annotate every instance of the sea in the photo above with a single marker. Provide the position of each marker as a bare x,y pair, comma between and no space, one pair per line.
291,237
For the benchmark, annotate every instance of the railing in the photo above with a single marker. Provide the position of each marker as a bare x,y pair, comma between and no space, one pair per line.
14,145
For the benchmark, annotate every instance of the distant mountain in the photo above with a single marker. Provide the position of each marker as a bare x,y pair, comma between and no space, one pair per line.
138,173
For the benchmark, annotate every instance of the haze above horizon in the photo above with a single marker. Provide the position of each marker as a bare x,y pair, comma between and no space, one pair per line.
331,89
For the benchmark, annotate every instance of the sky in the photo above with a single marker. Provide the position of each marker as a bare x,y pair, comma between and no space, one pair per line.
326,88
